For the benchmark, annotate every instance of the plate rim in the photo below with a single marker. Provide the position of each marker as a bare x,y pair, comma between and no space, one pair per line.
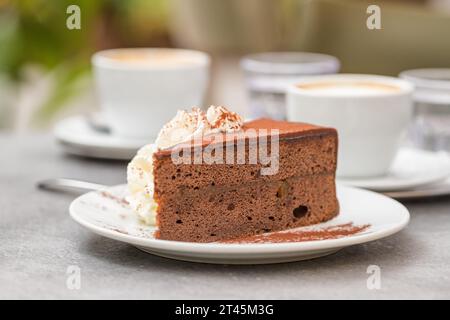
252,248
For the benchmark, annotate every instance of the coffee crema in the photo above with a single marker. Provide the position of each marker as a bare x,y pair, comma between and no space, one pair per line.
151,57
349,87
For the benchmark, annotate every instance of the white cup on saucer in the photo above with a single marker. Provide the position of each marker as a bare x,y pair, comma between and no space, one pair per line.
371,114
140,89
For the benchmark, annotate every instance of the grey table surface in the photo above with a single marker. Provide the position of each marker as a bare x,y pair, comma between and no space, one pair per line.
39,241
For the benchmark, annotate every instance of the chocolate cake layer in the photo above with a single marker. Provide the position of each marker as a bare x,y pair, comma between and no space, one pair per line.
310,152
211,202
227,212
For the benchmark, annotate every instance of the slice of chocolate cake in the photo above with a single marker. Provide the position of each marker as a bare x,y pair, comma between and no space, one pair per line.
237,180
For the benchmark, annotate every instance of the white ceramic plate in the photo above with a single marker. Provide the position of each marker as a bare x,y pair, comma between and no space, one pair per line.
412,168
76,136
104,214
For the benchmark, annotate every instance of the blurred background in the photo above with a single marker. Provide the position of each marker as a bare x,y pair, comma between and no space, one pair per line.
45,71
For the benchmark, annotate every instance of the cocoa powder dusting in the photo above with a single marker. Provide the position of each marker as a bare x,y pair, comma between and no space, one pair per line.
119,231
332,232
119,200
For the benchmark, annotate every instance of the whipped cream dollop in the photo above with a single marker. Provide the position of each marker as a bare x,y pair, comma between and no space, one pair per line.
140,184
222,120
185,126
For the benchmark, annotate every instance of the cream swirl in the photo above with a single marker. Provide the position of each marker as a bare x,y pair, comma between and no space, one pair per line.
222,120
183,127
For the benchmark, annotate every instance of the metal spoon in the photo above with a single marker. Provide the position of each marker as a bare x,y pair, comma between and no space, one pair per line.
68,185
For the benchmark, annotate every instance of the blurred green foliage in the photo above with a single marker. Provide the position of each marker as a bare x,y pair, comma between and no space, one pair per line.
34,32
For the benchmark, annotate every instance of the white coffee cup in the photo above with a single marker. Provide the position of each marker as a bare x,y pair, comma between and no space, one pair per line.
140,89
371,113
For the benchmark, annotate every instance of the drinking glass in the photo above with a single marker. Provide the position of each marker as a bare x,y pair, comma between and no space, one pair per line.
267,75
430,128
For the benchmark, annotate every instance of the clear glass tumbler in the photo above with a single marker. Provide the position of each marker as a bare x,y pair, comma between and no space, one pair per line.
268,74
430,128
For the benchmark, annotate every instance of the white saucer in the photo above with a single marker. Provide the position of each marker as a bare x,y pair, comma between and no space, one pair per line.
412,168
76,136
433,190
104,214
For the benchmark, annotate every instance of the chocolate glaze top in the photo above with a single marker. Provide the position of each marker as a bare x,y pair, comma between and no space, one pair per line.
287,130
